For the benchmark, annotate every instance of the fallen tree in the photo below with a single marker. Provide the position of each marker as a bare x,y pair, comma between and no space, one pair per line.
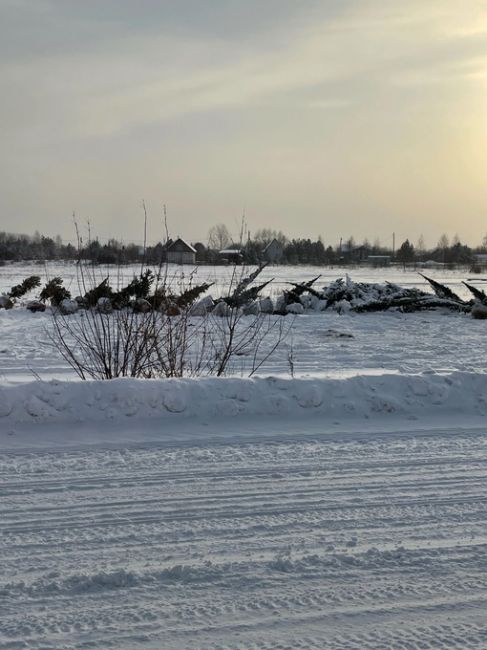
443,292
478,294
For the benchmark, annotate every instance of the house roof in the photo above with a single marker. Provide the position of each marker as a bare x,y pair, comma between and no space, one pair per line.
274,242
179,244
231,251
431,263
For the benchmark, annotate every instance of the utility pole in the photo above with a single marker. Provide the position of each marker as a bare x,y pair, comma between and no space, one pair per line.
393,245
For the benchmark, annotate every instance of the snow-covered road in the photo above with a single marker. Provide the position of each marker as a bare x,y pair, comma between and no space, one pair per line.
304,540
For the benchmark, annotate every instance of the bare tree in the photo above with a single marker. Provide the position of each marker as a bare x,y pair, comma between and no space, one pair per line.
443,242
266,235
219,237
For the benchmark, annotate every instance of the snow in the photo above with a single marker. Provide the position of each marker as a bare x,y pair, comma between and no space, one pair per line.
376,343
337,500
382,342
360,396
221,276
235,535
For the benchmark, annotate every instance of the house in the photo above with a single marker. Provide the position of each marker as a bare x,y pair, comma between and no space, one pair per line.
273,252
230,256
180,252
379,260
352,255
432,264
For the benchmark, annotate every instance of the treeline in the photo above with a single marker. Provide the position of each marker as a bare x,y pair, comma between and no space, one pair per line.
348,251
14,247
37,247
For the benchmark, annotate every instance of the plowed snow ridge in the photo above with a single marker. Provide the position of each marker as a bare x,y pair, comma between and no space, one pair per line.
359,396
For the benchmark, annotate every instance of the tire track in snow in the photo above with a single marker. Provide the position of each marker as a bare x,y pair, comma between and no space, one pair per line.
311,544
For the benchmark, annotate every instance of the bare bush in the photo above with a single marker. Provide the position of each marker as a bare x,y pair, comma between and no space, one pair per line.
166,341
124,343
100,345
235,335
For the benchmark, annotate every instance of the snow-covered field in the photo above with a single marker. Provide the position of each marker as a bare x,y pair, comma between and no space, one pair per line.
343,508
319,344
11,274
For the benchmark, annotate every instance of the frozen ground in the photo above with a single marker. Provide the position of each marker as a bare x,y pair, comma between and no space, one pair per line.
379,342
343,509
316,344
244,535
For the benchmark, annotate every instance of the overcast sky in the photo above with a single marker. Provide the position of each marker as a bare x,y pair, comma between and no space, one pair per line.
317,117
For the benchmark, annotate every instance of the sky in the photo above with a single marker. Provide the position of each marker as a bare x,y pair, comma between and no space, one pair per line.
322,118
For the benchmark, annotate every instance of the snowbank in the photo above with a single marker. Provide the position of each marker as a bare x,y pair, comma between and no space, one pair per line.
212,399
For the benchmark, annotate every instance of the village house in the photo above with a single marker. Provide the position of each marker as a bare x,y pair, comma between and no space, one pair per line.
180,252
273,252
352,255
379,260
230,256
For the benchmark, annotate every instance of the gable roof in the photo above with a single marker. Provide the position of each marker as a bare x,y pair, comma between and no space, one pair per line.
230,251
180,245
272,244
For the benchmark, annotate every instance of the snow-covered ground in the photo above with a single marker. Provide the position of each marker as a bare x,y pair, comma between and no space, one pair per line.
221,276
343,508
319,344
249,534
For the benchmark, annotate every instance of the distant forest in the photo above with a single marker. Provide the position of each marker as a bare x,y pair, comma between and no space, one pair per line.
15,247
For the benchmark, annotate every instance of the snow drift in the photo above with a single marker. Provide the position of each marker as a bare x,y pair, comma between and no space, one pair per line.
211,398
